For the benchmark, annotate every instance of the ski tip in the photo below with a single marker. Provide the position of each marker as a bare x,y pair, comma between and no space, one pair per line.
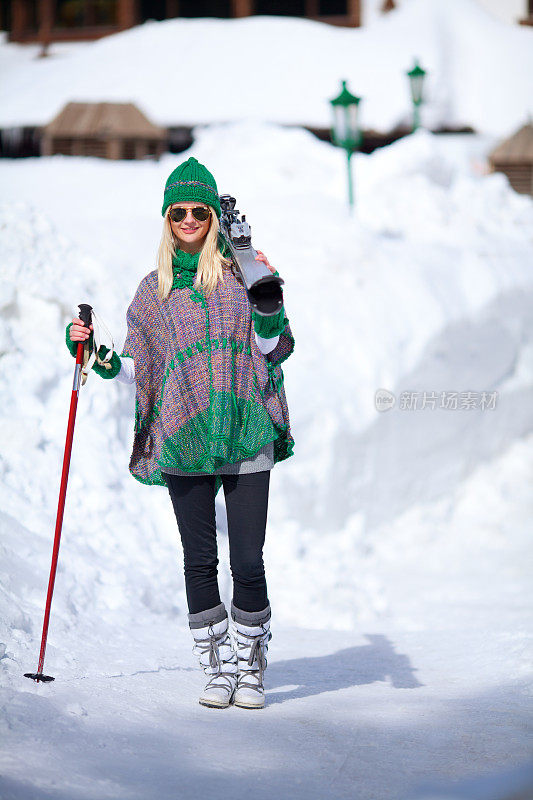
38,676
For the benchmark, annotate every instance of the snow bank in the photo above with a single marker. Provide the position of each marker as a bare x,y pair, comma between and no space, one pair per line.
479,70
105,547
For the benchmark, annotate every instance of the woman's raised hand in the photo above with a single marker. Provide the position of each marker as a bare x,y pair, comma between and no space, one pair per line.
78,332
262,257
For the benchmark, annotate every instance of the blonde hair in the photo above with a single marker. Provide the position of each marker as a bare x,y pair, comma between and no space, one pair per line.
210,263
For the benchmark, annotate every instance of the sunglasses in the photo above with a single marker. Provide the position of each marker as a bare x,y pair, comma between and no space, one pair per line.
200,214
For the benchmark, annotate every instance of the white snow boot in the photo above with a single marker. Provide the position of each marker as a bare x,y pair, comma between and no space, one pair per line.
212,644
251,633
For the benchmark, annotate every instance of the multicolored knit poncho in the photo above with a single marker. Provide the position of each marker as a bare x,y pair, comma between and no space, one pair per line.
205,394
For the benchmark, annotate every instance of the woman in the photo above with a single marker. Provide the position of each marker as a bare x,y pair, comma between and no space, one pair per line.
210,411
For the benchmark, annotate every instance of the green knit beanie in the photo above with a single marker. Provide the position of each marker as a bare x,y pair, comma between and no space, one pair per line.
191,181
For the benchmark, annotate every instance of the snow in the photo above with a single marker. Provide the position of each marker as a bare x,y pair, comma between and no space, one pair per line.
285,70
398,548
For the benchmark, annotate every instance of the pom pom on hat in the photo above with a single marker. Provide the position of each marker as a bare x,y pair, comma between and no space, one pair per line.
191,181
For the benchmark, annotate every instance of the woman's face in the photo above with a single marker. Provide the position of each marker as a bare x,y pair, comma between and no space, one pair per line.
190,232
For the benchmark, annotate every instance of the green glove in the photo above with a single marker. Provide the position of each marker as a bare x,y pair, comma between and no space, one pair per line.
268,327
114,364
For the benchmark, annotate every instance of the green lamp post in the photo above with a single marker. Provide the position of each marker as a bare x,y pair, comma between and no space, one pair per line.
345,132
416,81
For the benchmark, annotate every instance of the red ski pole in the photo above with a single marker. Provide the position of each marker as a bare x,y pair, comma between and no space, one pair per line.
85,316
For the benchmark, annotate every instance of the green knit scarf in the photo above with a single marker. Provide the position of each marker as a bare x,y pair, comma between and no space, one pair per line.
184,267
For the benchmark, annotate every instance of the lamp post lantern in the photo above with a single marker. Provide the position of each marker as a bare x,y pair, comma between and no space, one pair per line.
345,131
416,81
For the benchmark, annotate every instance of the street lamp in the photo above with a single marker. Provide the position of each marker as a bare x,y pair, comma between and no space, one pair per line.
345,132
416,81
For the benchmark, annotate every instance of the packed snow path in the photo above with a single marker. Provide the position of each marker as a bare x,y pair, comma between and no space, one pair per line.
366,715
439,689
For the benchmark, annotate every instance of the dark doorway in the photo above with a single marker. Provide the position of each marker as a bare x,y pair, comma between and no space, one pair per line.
5,16
205,8
163,9
331,8
285,8
153,9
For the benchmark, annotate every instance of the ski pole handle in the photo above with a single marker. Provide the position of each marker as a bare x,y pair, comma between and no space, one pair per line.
85,313
85,316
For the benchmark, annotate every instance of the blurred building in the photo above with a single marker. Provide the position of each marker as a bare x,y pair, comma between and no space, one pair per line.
509,11
70,20
514,157
107,130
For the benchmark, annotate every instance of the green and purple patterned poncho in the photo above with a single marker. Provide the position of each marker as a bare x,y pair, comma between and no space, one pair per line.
205,394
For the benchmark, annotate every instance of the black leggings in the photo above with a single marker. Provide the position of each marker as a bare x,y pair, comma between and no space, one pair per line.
193,498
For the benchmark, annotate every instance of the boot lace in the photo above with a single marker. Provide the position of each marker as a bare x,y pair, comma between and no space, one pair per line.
257,644
211,646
